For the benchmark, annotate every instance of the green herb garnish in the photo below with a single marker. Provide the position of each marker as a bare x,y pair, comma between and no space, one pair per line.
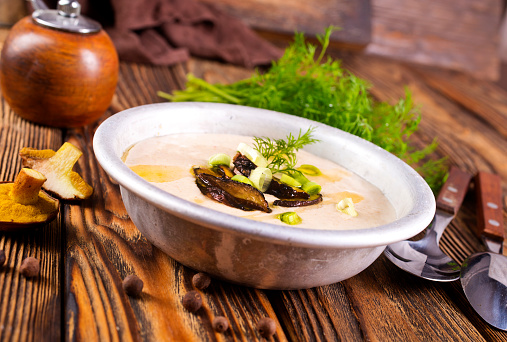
281,153
318,88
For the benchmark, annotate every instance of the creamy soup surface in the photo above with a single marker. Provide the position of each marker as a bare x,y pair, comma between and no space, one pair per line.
167,162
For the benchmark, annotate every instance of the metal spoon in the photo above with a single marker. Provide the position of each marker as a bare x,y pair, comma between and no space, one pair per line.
424,258
484,275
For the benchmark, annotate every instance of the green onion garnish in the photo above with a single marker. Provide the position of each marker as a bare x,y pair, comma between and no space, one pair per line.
242,179
290,217
309,170
298,176
261,178
311,188
219,159
346,206
255,156
286,179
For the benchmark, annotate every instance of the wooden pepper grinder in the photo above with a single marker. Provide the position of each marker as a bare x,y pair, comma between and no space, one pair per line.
57,67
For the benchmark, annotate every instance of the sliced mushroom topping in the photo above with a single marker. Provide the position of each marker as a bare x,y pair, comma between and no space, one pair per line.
284,191
200,170
234,194
223,171
243,164
291,203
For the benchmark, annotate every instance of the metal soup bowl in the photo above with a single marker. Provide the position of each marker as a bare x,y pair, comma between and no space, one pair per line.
244,251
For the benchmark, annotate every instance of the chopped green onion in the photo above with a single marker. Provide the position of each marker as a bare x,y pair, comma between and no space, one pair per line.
286,179
261,178
290,217
311,188
346,206
242,179
309,170
219,159
255,156
298,176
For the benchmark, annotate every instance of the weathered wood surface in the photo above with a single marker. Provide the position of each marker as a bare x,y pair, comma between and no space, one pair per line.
312,17
86,254
461,35
30,309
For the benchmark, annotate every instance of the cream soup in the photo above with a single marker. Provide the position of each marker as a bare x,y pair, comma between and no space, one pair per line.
167,162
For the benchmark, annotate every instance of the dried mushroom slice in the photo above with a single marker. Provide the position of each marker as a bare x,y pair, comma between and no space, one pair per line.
57,168
23,204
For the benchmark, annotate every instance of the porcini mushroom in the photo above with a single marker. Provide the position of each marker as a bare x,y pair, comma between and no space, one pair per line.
57,168
23,204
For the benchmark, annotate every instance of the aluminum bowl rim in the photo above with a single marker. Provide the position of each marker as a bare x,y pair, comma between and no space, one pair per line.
401,229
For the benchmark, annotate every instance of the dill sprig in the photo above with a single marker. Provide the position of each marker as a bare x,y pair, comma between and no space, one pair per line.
281,153
316,87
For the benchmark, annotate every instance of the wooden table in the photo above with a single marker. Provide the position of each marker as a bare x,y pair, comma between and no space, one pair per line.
93,245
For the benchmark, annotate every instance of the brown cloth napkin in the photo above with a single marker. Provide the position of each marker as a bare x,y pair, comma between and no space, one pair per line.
165,32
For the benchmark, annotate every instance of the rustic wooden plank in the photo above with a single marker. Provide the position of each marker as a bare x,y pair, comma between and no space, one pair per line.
412,305
311,17
215,72
460,36
103,246
4,31
482,98
463,37
11,12
307,319
30,309
381,303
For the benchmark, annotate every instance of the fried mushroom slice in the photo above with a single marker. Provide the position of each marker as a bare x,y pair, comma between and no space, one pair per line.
223,171
234,194
200,170
284,191
243,165
291,203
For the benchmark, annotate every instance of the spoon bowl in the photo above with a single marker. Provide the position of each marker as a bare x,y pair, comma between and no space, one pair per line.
484,275
424,258
484,281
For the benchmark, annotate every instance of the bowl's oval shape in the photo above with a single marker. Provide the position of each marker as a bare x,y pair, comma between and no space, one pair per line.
250,252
